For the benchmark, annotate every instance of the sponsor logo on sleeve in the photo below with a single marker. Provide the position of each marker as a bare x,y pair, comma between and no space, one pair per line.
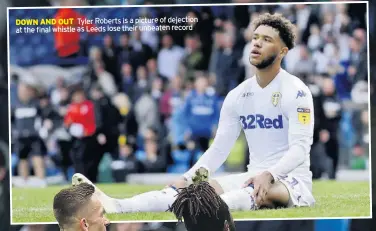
304,115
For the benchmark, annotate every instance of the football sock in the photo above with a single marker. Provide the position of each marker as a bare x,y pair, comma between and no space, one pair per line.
153,201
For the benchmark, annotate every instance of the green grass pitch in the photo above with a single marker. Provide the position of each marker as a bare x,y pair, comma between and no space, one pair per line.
333,199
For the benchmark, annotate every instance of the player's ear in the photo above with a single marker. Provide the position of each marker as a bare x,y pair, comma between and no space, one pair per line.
84,225
283,52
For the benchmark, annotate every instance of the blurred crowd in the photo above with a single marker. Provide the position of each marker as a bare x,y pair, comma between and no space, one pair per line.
150,101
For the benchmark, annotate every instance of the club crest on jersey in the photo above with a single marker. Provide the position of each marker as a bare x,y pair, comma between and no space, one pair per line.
304,115
275,98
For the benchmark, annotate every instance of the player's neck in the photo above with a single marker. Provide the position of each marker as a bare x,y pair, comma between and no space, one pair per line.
265,76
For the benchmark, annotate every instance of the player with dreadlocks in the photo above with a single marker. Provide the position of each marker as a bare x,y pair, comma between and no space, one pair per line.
202,208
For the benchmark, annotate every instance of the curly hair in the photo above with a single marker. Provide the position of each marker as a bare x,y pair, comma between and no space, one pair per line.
284,27
202,208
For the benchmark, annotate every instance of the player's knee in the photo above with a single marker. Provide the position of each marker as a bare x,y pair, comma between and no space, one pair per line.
216,186
278,195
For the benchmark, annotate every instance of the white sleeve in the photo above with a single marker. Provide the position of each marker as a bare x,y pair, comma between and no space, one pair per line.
227,133
300,113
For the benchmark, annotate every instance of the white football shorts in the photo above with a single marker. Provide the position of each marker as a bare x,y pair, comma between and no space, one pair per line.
298,187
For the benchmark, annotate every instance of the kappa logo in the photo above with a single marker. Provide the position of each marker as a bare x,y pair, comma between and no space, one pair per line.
301,94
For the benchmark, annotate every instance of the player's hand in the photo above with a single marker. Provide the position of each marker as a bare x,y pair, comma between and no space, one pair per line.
261,185
180,183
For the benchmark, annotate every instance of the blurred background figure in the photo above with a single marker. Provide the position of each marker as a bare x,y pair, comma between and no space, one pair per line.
105,79
108,118
226,64
201,113
26,119
110,59
81,122
194,58
169,57
329,135
69,44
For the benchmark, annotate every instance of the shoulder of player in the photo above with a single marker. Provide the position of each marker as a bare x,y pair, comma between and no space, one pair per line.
241,90
294,88
234,96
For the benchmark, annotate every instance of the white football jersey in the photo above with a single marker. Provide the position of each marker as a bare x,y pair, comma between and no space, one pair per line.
273,119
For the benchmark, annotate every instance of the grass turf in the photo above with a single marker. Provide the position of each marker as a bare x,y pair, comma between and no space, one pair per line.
333,199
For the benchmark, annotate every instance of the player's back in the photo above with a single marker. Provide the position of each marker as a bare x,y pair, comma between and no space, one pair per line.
264,116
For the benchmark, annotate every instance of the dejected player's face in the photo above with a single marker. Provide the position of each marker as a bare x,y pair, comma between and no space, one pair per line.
265,47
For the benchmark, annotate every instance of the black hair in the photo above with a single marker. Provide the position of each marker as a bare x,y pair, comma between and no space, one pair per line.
284,27
202,209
